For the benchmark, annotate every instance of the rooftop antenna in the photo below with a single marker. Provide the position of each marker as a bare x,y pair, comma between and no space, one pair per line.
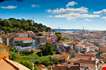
83,29
32,20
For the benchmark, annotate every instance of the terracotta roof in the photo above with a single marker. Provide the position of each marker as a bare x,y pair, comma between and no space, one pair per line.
22,38
102,49
85,57
60,67
104,67
62,56
66,67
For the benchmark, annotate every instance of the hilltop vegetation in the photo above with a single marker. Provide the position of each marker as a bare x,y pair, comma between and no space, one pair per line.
14,25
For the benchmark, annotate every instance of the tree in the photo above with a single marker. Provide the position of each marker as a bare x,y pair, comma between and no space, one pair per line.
98,54
48,49
59,36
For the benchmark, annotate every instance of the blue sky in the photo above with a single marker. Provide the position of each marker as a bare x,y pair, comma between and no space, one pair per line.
68,14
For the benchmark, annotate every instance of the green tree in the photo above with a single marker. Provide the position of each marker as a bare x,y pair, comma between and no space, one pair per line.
48,49
59,36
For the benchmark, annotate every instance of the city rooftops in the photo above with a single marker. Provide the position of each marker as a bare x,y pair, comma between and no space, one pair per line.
102,49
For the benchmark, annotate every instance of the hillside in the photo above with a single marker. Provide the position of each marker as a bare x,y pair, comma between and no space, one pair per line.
13,25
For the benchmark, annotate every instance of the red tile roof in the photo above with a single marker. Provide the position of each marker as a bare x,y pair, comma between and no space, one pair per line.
22,38
104,67
102,49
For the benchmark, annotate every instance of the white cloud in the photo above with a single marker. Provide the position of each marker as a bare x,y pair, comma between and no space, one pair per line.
68,10
88,20
72,3
76,13
57,11
9,7
104,17
100,12
76,16
89,16
68,16
73,13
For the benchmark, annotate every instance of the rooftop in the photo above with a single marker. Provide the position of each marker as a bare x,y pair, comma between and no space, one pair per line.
19,38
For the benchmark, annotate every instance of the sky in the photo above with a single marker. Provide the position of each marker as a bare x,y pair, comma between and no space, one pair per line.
64,14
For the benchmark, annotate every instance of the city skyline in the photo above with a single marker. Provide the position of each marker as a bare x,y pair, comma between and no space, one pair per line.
65,14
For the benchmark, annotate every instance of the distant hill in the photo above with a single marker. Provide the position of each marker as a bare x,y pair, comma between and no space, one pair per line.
73,30
67,30
13,25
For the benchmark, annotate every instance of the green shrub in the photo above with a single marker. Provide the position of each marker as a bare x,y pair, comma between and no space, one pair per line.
27,64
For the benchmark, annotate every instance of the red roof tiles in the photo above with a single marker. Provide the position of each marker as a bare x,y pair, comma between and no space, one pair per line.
23,39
